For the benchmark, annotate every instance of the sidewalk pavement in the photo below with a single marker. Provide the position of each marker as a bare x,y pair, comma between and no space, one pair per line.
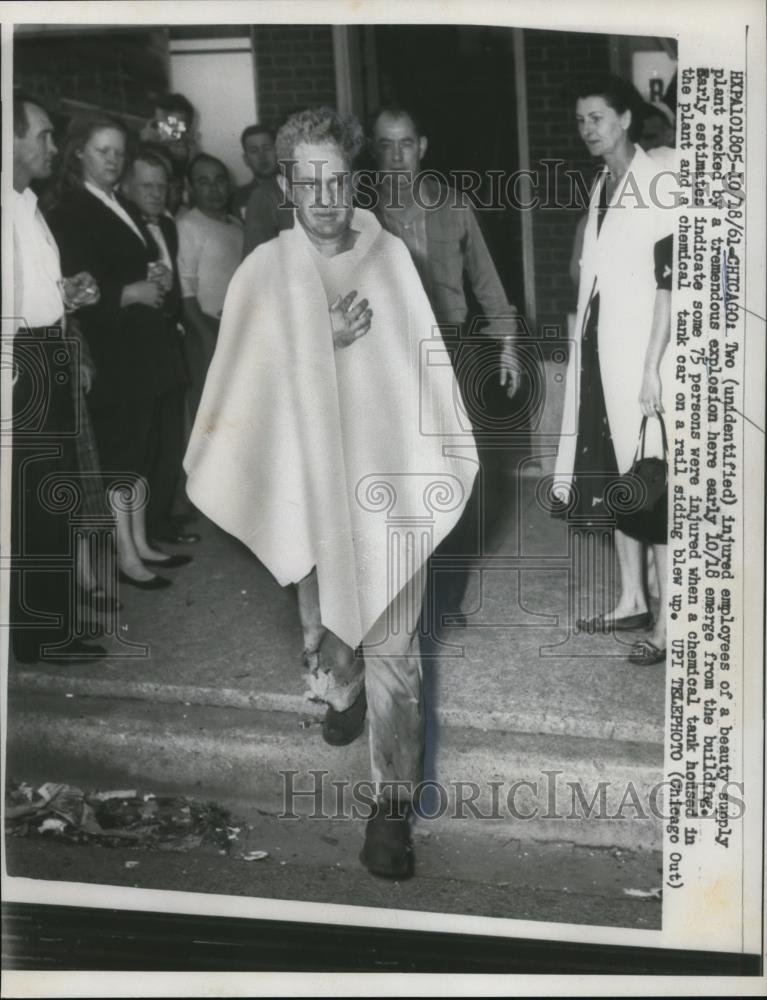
206,683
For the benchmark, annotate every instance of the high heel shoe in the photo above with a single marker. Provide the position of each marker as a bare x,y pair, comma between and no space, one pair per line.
172,562
156,583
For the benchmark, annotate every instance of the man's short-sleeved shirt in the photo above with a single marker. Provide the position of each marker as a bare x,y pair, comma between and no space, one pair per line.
209,252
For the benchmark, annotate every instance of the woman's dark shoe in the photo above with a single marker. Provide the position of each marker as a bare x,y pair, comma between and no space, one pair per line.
645,654
601,623
388,849
156,583
341,728
171,562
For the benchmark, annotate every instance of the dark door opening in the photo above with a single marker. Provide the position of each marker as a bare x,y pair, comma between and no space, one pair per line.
461,82
461,79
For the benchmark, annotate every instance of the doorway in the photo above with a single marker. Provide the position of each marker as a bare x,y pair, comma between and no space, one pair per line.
461,80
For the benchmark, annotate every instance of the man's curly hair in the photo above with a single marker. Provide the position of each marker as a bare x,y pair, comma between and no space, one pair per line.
318,126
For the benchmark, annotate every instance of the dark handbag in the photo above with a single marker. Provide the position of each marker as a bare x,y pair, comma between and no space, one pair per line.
639,498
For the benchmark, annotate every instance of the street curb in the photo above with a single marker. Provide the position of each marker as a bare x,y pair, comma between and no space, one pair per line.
40,680
240,753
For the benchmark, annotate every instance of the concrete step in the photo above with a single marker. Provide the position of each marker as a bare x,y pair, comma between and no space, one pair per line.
586,791
203,688
225,634
577,697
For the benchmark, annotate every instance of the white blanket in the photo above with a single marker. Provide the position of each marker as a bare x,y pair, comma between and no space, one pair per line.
292,436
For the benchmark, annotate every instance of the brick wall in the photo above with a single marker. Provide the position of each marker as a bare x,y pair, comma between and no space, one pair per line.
552,58
294,68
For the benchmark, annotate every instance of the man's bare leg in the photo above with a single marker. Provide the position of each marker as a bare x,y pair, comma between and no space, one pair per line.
335,672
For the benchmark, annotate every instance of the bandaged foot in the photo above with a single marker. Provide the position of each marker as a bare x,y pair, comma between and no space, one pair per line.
334,674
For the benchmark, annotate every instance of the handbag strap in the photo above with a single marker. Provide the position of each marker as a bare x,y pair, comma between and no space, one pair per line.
663,437
642,434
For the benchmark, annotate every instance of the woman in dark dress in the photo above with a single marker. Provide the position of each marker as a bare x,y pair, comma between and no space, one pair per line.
125,329
619,369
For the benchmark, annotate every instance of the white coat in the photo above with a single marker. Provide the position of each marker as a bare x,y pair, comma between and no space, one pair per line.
618,262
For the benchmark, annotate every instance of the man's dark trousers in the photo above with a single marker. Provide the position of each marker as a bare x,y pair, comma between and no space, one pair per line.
44,475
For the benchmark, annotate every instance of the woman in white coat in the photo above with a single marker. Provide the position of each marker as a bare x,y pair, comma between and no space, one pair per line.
617,372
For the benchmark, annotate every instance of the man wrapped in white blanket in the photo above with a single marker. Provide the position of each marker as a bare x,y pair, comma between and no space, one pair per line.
329,440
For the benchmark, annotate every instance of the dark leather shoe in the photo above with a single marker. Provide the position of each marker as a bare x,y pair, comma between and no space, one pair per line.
631,623
172,562
156,583
342,728
646,654
178,538
388,849
76,652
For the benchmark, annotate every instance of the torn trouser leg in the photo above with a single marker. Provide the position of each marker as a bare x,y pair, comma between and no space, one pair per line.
335,675
391,673
394,688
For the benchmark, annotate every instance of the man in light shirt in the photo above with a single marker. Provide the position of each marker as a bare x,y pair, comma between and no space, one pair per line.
262,203
44,417
209,252
439,228
260,158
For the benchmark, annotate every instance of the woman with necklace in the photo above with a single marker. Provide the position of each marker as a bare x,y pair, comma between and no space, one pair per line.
616,372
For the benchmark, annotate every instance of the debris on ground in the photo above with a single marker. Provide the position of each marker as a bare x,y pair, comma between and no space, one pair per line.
255,855
115,817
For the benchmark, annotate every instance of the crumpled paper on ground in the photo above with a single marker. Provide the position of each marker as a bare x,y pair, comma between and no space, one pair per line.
117,817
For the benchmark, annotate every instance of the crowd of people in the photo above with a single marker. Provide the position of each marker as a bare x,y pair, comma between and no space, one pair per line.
267,340
142,234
